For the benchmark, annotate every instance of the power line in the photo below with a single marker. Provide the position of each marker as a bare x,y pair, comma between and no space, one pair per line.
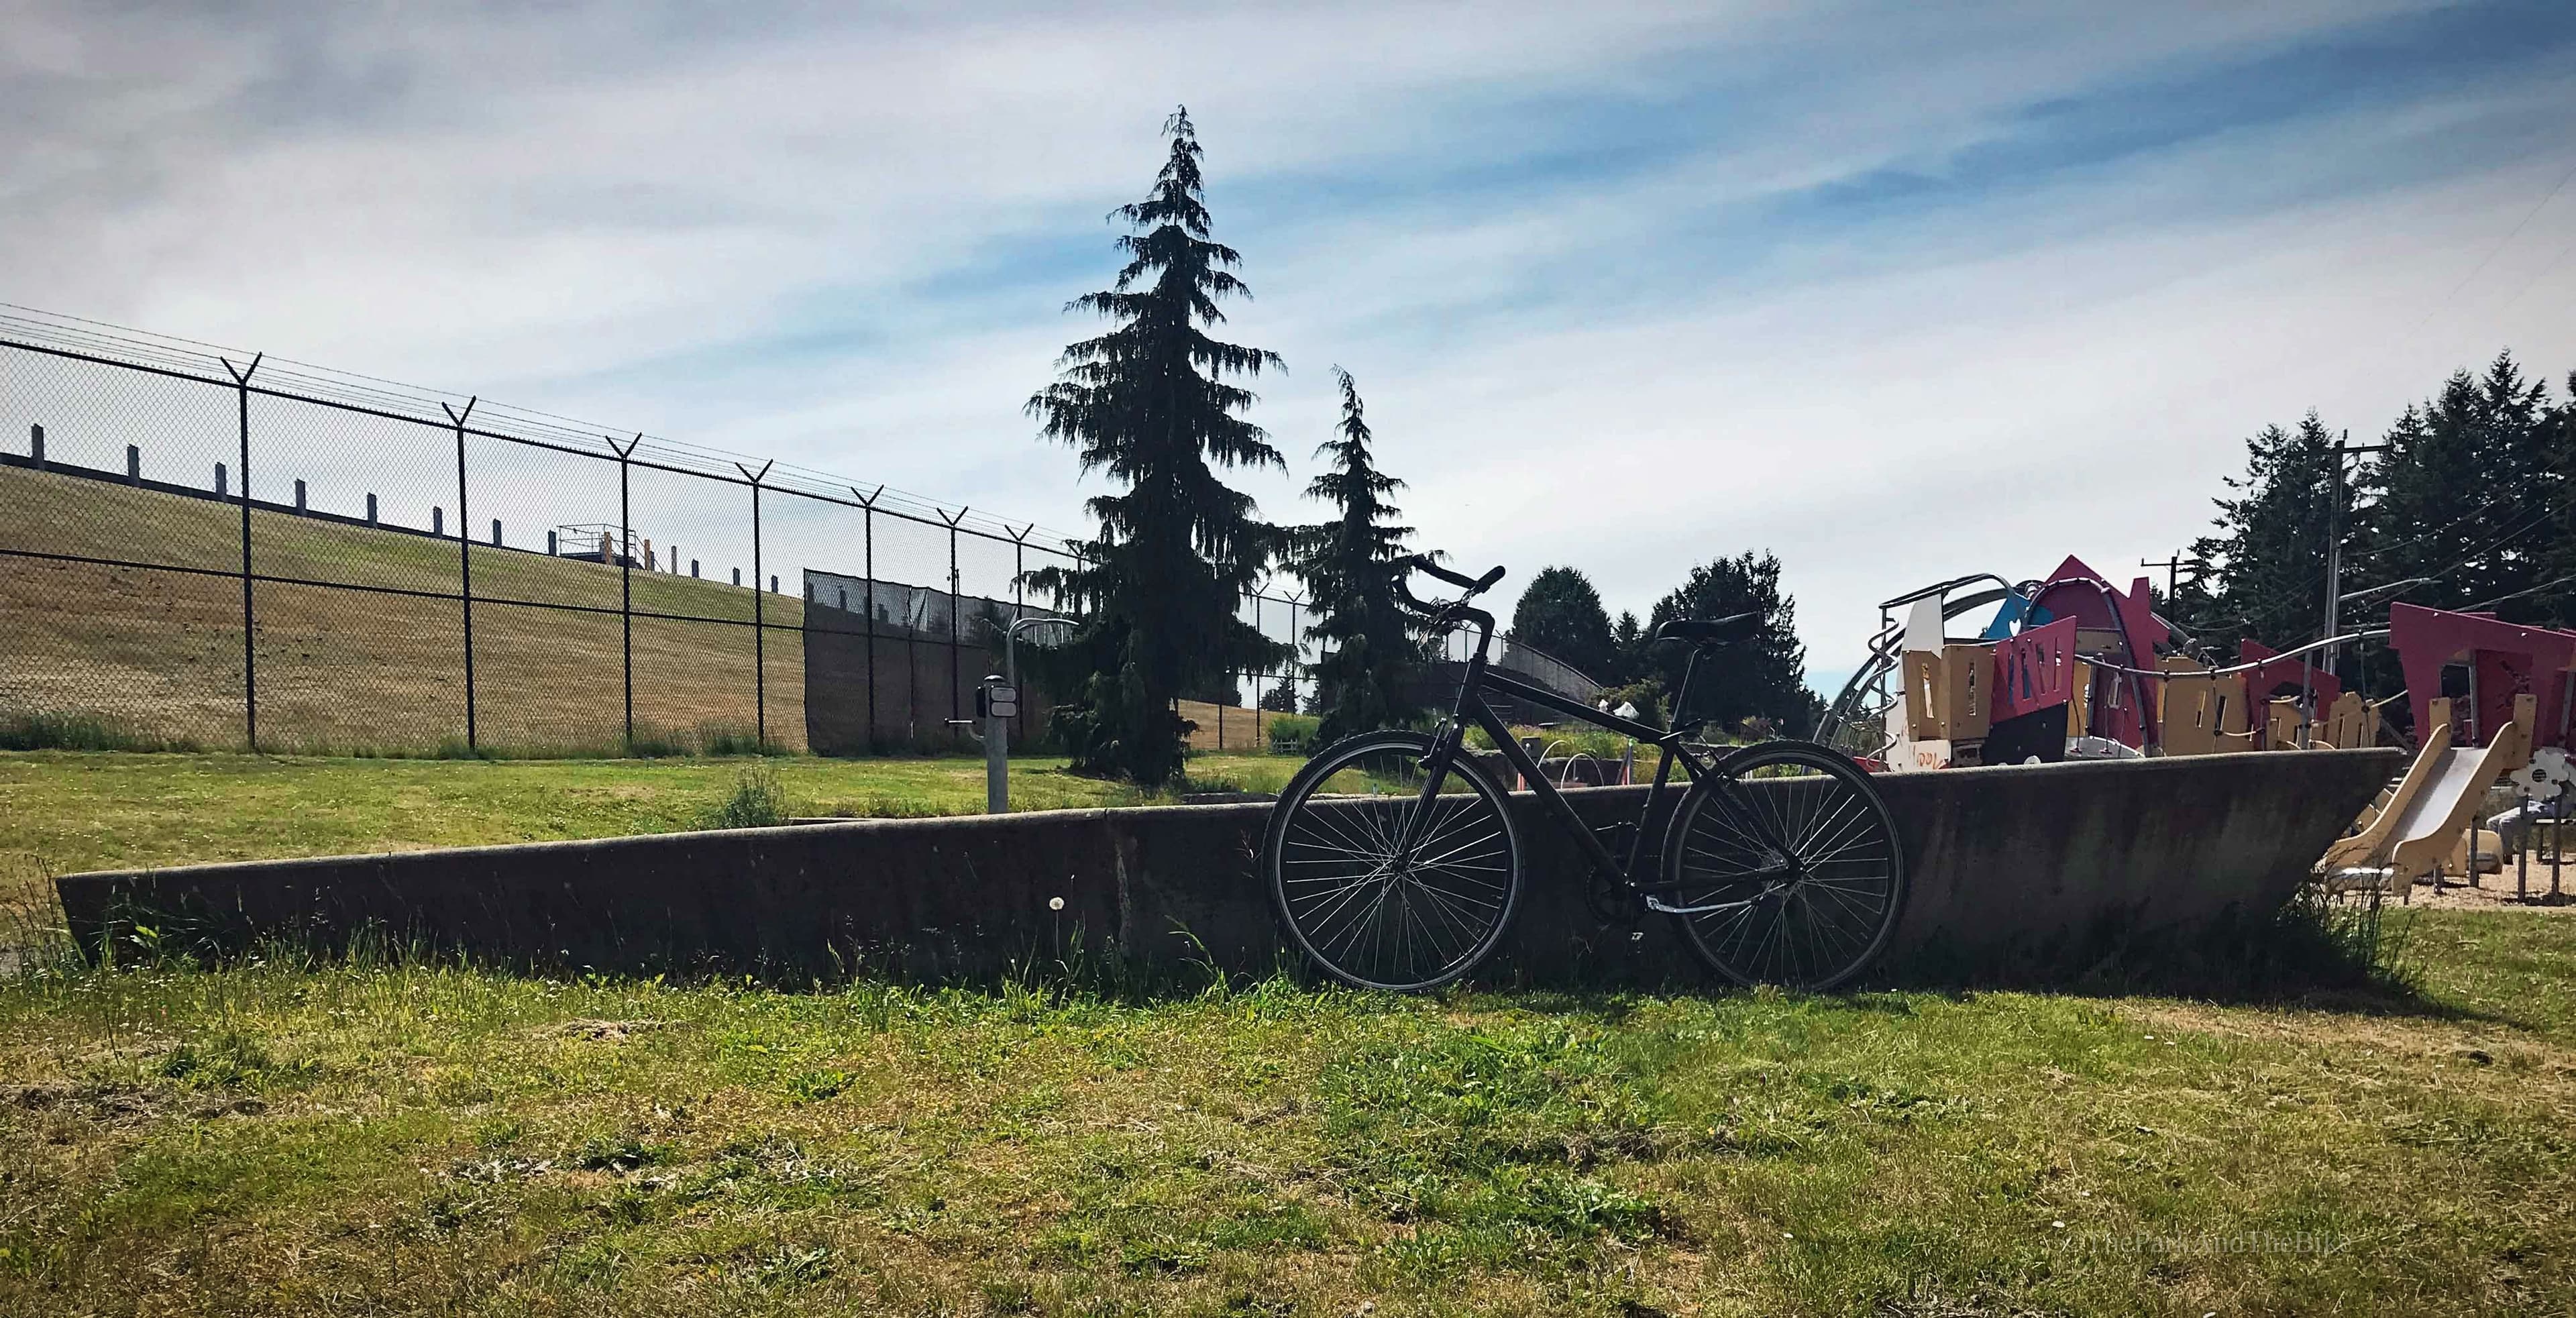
2492,253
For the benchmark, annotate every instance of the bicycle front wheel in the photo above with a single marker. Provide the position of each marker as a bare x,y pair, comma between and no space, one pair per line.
1786,869
1368,910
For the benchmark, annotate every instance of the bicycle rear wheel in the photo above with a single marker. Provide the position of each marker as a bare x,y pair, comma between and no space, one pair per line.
1787,869
1361,913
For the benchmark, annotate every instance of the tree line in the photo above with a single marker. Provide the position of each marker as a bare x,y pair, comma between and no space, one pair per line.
2466,501
1157,404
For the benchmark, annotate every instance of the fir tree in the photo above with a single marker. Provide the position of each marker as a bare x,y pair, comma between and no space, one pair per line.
2266,578
2556,597
1352,566
1148,403
1560,614
1764,677
2465,516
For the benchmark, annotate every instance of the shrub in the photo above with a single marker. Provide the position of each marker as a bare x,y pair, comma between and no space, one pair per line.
758,801
1293,734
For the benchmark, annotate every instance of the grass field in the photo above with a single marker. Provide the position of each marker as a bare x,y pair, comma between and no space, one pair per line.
280,1136
63,812
158,654
359,1137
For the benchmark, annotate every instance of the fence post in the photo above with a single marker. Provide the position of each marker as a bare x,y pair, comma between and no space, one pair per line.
1296,660
868,524
759,626
1020,570
626,582
465,565
956,607
250,651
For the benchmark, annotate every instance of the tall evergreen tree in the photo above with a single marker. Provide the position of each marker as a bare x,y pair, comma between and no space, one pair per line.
2266,578
1764,677
1352,565
1149,404
1560,613
2466,511
2557,594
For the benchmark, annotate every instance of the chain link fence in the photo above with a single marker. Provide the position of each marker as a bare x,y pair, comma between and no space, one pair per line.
201,547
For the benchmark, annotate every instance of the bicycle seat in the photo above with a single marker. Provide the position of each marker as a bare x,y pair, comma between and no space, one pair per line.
1711,631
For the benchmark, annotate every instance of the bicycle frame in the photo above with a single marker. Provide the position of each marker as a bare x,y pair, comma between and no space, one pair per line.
1471,705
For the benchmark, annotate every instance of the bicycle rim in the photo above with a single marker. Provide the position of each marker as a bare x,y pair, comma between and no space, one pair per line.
1809,913
1355,910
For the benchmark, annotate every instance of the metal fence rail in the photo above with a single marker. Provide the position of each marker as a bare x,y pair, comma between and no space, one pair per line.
211,547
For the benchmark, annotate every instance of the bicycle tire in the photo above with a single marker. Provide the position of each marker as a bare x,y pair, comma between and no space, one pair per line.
1832,913
1339,845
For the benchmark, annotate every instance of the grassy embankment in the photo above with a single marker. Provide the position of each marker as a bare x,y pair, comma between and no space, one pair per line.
154,656
64,812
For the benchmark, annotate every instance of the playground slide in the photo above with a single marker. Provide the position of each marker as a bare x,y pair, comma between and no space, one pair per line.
2420,822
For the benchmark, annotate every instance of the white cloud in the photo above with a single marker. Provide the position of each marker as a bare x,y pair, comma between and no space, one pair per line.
668,223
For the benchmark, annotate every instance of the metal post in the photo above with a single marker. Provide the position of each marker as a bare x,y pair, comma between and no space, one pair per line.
250,622
626,581
465,566
1020,571
997,758
956,607
759,628
2522,850
868,523
36,441
1298,640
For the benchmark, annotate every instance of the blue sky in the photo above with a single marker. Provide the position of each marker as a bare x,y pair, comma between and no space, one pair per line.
1899,294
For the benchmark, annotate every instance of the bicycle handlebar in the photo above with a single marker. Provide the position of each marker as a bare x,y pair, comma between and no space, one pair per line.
1472,585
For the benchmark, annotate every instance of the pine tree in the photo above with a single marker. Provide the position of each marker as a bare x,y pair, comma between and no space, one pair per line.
2266,578
2556,597
1148,403
1627,649
1764,677
1560,614
2465,518
1352,566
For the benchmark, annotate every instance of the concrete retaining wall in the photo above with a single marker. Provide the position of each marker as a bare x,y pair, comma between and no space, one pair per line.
2011,865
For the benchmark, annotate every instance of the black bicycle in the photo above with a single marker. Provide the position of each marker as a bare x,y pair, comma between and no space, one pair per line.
1394,861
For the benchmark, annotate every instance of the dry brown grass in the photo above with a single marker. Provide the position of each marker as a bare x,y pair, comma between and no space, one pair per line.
159,653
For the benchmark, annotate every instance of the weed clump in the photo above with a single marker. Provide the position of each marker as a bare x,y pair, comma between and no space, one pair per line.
757,801
80,732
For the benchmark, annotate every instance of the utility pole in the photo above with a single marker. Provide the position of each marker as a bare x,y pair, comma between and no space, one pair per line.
2173,570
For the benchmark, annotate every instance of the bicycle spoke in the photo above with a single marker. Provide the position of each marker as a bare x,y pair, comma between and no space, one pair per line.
1797,865
1375,912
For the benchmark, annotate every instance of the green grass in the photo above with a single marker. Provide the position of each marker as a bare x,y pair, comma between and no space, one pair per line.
66,811
371,1137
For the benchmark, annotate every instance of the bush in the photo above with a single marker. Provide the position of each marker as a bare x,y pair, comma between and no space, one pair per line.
1294,734
758,801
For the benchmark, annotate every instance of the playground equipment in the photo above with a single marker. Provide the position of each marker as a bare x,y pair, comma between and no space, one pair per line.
2070,667
2425,819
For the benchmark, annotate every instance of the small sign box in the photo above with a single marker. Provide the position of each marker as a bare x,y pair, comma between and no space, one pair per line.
1000,701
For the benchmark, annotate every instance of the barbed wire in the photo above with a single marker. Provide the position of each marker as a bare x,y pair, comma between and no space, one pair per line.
114,344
